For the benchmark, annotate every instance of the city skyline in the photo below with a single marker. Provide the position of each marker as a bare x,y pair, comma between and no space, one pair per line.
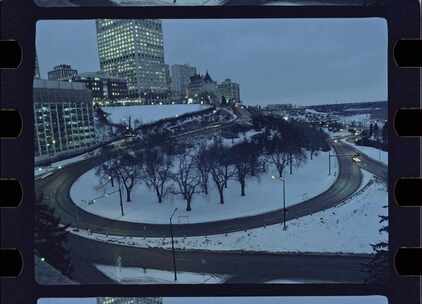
334,68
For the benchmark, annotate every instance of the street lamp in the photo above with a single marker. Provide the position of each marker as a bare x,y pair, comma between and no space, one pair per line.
172,244
284,201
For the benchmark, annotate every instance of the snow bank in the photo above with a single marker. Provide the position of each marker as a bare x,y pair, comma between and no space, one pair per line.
138,275
150,113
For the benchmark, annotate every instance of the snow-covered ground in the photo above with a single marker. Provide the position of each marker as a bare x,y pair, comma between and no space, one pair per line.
371,152
349,228
138,275
307,181
150,113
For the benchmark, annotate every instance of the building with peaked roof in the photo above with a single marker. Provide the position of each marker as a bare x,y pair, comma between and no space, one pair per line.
203,89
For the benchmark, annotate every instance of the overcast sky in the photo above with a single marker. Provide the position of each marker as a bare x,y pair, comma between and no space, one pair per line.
244,300
302,61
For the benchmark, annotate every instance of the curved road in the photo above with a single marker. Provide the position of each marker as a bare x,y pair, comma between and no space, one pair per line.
56,189
239,267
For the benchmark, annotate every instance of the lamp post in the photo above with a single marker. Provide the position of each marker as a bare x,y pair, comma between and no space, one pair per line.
172,244
329,161
284,202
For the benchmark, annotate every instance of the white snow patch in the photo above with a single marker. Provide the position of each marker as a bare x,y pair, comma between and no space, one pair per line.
150,113
138,275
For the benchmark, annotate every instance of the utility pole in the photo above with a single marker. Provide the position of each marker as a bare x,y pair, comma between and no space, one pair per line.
172,245
284,204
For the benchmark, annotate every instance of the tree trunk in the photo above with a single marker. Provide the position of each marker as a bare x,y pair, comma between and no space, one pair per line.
242,187
158,194
205,187
225,178
221,196
112,182
188,207
128,195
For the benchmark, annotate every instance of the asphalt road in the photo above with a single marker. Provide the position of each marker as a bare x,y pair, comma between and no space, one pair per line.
57,186
239,267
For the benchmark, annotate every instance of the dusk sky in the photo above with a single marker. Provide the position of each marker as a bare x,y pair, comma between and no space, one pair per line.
244,300
301,61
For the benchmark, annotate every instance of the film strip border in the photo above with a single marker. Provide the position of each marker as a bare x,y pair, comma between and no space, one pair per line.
407,125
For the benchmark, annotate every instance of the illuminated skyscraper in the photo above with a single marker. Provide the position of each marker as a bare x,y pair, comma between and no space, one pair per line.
109,300
134,50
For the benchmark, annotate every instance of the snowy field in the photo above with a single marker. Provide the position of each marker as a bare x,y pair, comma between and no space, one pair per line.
306,182
150,113
374,153
138,275
349,228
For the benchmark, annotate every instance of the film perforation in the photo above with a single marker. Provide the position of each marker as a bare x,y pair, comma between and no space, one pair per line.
408,122
11,54
12,263
10,124
11,193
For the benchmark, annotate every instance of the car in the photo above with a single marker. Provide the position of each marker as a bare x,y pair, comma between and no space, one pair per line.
356,159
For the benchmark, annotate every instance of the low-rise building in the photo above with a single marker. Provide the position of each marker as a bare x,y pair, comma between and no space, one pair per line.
62,72
104,88
63,118
230,91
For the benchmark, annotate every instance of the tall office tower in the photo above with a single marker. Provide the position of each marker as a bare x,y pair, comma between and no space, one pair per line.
134,50
180,78
37,68
62,72
109,300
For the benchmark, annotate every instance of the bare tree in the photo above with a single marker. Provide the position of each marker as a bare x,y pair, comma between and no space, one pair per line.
157,171
203,165
245,161
186,178
277,154
221,169
128,170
